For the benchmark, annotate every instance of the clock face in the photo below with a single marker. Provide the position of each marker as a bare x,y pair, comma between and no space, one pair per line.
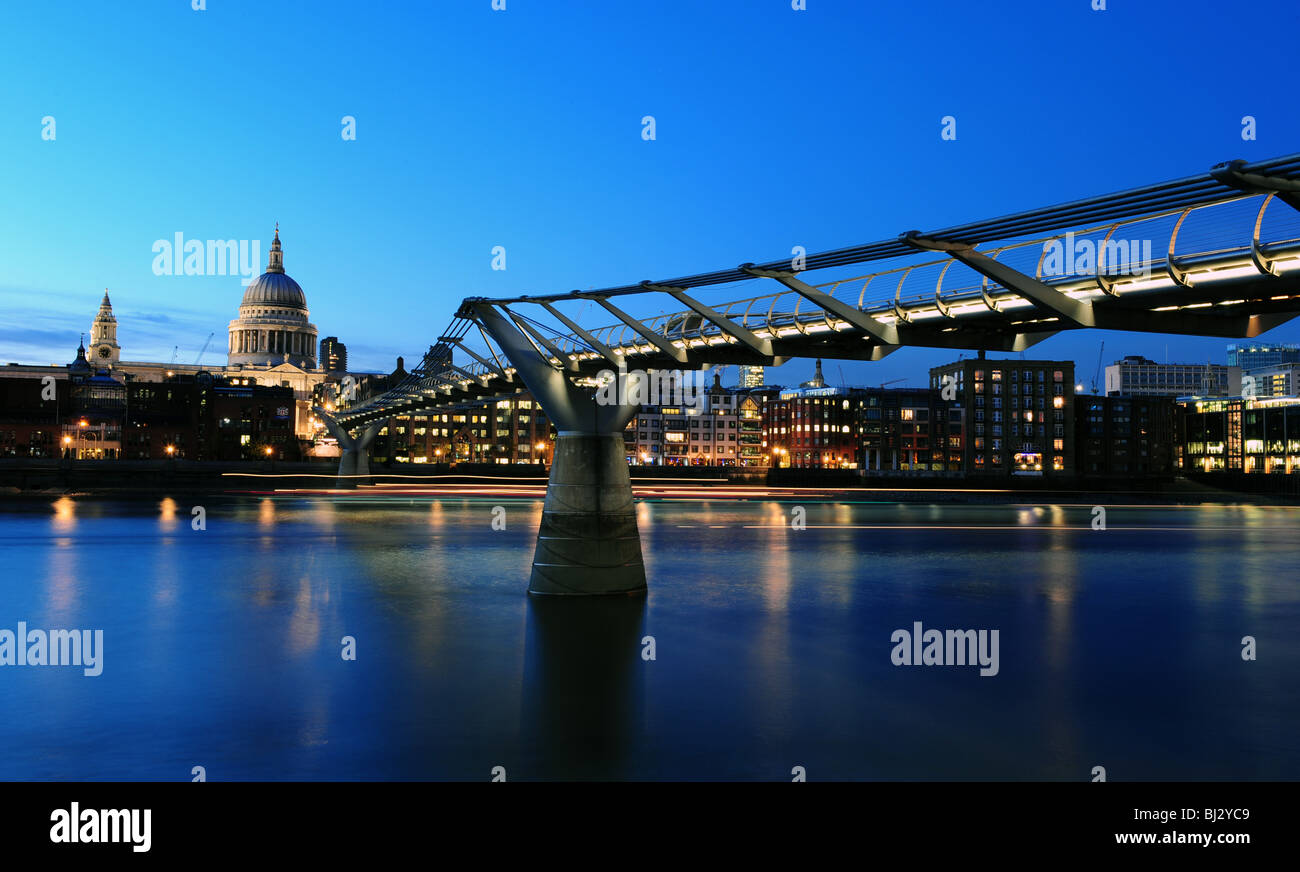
105,351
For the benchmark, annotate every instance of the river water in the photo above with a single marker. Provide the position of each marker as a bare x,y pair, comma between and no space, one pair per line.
223,647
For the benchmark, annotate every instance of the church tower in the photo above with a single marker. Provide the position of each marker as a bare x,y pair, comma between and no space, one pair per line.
818,380
104,350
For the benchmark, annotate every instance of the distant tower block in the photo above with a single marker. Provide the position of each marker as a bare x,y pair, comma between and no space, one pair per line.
333,355
751,377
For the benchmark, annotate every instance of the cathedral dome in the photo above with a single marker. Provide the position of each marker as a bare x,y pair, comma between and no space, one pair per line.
274,289
272,327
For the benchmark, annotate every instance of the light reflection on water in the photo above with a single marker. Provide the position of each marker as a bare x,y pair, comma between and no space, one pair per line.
223,646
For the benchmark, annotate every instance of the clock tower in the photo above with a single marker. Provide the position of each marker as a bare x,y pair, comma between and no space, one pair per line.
104,350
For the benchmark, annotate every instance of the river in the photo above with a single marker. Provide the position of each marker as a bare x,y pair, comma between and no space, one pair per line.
223,647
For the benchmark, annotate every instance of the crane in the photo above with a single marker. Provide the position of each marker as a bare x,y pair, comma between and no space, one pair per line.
1097,375
892,381
175,350
205,347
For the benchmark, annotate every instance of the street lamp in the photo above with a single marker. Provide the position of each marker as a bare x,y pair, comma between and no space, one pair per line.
170,449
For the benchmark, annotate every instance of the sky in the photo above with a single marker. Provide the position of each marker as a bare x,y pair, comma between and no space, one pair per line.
522,128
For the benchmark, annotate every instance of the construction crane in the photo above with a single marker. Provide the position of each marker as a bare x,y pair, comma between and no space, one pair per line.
892,381
1097,375
176,349
204,350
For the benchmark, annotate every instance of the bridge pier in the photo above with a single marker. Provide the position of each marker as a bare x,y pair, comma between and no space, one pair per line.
354,451
588,543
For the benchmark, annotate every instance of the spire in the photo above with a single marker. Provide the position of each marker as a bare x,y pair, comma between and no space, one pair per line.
105,311
276,262
79,364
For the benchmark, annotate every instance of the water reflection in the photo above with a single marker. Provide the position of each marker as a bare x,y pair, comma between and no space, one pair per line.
583,694
65,515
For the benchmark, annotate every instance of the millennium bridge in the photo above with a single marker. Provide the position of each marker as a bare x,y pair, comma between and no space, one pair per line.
1216,254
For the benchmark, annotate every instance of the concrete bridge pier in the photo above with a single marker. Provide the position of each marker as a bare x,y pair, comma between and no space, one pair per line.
588,543
354,456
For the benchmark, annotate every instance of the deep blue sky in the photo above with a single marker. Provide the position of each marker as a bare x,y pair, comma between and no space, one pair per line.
522,128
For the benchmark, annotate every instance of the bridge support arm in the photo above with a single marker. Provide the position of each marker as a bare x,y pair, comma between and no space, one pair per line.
658,341
1078,312
723,323
354,451
596,345
886,334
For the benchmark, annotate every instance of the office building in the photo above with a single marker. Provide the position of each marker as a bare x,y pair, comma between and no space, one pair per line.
1017,416
1136,376
1256,356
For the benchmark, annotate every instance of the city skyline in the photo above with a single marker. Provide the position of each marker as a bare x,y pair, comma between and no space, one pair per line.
209,355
